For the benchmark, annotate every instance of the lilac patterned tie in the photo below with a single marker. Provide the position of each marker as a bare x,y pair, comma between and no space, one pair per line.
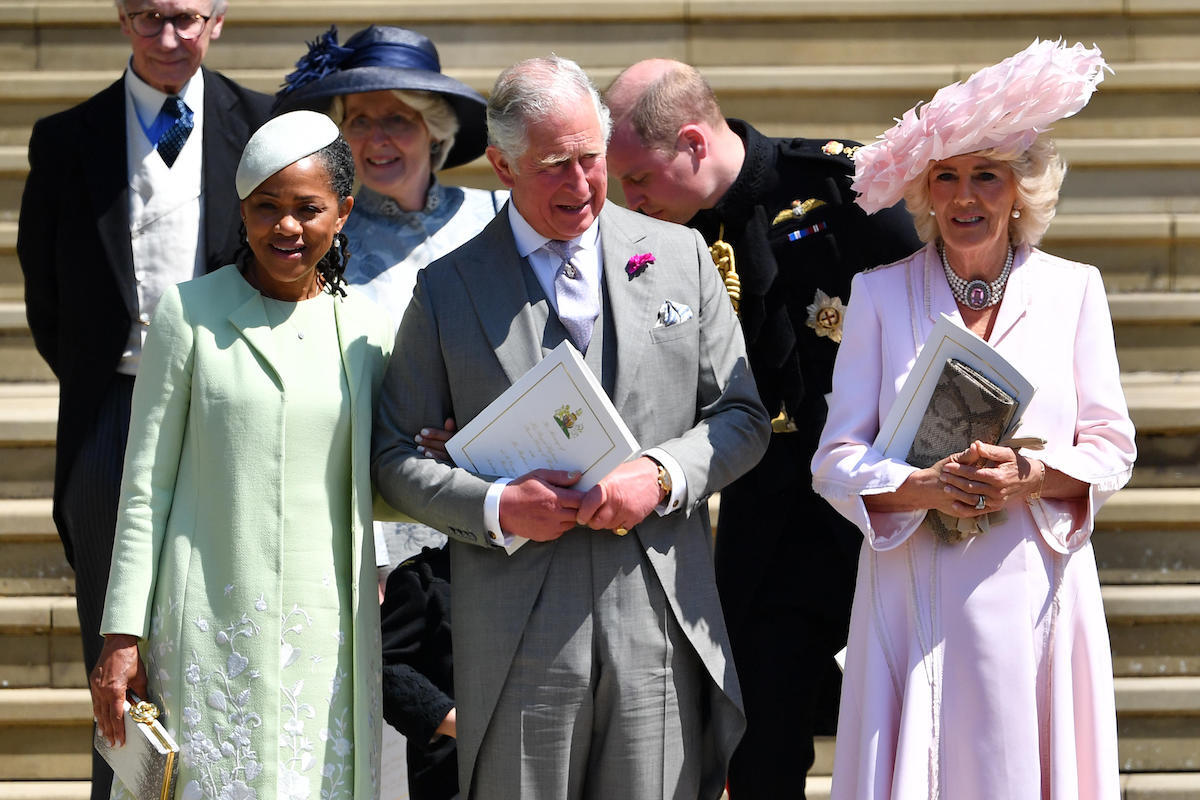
171,142
577,298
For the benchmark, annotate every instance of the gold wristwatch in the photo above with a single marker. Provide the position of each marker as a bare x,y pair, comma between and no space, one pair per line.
664,481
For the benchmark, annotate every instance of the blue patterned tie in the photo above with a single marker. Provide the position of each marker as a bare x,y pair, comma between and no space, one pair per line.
171,142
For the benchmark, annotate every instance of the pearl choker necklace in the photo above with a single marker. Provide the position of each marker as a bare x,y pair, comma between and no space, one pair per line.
977,294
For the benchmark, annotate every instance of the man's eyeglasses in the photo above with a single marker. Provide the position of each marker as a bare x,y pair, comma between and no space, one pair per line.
150,23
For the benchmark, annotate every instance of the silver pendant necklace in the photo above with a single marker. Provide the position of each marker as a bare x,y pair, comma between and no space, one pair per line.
977,294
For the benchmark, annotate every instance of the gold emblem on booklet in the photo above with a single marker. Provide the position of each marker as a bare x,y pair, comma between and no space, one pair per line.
568,421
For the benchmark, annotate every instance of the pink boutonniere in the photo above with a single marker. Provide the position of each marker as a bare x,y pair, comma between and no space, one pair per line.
637,264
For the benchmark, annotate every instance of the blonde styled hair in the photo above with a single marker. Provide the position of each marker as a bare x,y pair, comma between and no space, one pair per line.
436,112
1039,172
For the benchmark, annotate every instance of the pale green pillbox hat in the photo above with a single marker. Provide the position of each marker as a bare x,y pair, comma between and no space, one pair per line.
280,142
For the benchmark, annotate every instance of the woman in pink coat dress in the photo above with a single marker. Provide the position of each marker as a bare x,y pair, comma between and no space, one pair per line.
981,668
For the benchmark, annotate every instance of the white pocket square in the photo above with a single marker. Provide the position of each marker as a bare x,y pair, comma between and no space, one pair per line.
672,313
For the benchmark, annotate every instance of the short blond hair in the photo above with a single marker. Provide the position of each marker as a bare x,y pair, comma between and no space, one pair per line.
676,98
436,112
1039,172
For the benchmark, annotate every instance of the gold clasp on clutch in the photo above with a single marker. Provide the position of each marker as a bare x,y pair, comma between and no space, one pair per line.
143,711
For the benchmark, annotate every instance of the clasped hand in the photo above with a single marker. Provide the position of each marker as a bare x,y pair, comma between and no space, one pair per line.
541,505
997,474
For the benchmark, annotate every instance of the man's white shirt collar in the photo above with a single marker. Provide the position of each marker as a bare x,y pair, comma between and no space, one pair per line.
528,240
587,255
148,101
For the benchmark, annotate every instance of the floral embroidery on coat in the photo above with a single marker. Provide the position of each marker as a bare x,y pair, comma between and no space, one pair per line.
218,725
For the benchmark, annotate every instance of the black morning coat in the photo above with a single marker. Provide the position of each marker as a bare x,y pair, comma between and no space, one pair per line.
74,248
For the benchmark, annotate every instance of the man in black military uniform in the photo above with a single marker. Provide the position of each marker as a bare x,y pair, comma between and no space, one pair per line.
780,218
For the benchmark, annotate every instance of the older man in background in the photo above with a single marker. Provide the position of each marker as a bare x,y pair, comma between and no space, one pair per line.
128,192
592,662
787,237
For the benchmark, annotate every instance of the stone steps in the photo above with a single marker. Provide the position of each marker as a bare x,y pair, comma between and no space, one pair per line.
33,562
1166,410
1155,99
850,32
1149,536
1155,631
39,643
45,790
28,416
19,359
1158,723
46,733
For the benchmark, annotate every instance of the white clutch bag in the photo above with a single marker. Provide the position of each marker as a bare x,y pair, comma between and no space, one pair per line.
147,763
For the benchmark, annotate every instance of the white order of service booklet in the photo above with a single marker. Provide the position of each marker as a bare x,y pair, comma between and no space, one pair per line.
947,340
556,416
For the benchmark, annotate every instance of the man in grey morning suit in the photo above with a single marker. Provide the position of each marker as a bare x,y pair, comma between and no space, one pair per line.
588,664
124,198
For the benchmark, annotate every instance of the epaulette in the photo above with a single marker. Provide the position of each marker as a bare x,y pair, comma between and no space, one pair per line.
836,147
841,151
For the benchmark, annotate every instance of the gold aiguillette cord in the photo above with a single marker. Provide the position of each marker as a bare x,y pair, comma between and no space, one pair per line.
722,256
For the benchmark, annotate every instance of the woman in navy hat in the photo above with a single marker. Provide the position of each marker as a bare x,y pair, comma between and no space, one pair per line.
404,120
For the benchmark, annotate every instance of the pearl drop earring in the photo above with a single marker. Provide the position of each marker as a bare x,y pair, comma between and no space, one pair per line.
1016,213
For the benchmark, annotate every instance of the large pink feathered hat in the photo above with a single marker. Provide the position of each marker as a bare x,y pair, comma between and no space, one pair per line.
1002,107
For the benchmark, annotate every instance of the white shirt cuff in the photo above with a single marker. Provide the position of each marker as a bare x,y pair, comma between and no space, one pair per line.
678,496
491,513
382,557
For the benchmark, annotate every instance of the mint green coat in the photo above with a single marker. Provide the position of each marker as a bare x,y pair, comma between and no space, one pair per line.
198,539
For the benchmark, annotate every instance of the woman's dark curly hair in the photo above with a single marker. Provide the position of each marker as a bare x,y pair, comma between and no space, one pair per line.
339,163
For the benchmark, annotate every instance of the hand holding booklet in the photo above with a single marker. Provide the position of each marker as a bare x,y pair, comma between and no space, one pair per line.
556,416
960,390
949,341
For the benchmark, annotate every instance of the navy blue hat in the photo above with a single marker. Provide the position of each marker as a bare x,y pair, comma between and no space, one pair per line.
379,58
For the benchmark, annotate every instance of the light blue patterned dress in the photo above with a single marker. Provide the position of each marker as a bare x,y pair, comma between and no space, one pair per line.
388,246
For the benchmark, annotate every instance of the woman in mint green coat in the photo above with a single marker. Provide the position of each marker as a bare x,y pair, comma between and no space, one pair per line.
243,595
